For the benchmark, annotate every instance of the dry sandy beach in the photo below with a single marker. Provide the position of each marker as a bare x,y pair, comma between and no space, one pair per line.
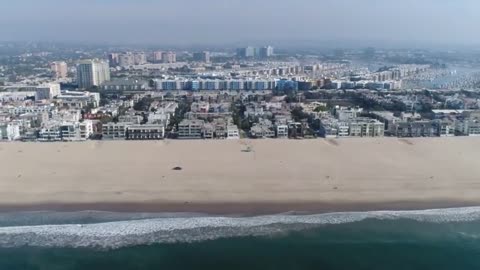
221,177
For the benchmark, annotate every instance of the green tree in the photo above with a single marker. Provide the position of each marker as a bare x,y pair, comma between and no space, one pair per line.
321,109
298,114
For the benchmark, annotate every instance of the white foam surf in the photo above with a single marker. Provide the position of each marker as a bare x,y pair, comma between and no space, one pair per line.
110,235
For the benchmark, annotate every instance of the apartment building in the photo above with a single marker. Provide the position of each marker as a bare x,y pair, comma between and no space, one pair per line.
191,129
9,131
145,132
470,127
115,131
282,131
92,73
366,127
232,132
50,133
424,128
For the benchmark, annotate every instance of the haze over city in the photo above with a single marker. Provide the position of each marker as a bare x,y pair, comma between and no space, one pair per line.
239,134
183,22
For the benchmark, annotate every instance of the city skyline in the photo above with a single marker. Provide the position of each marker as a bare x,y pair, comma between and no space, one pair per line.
208,22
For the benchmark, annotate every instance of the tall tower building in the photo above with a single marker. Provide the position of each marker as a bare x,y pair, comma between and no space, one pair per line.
169,57
201,57
246,52
157,56
126,59
250,51
92,73
113,59
59,69
140,58
265,52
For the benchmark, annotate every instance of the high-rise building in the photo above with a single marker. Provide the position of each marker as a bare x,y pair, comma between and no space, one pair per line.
126,59
129,59
250,52
113,58
201,57
169,57
92,73
241,52
266,52
140,58
246,52
256,52
59,69
157,56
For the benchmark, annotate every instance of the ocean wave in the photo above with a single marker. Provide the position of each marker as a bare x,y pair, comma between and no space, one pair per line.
168,229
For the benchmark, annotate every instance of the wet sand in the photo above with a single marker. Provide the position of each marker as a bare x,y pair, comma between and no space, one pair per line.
223,177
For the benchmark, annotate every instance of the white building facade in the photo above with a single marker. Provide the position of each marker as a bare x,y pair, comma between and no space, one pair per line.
92,73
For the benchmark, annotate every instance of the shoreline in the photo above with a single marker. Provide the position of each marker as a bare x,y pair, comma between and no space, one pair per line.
239,209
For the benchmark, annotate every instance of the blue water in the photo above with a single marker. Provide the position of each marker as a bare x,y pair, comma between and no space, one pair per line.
371,243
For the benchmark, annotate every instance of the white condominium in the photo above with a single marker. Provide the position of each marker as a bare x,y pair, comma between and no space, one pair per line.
92,73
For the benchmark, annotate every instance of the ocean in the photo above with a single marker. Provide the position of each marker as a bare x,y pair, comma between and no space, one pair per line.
430,239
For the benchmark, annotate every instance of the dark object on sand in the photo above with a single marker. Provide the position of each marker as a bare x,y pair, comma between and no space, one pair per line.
248,150
177,169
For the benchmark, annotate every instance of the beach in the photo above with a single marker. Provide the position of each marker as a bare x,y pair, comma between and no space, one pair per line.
241,176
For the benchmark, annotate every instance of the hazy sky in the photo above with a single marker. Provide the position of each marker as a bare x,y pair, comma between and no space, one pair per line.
237,21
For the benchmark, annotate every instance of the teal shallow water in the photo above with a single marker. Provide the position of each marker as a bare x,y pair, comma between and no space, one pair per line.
367,244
